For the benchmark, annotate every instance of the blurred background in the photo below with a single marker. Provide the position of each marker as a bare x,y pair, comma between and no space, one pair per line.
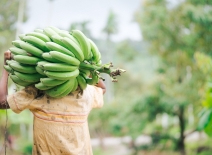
159,106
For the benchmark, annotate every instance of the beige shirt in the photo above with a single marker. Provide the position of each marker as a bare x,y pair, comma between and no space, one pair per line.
60,125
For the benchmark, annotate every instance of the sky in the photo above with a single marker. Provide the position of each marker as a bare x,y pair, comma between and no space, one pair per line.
61,13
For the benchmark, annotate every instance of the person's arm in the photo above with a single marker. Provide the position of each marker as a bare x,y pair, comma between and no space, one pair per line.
3,84
101,84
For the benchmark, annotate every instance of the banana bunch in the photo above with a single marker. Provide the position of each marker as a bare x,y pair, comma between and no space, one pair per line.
57,61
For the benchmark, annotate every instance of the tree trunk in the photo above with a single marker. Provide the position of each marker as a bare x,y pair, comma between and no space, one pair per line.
181,142
101,136
133,146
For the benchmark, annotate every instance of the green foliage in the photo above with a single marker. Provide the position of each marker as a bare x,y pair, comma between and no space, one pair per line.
175,33
8,18
204,62
8,26
199,148
185,27
205,153
25,118
126,51
25,147
205,118
111,24
121,117
98,151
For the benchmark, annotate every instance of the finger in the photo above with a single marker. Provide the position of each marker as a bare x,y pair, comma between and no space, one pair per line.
7,55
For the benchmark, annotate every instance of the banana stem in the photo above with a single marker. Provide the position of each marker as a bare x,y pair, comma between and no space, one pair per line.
103,69
90,67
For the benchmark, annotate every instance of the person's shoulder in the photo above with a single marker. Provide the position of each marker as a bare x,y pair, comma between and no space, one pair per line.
93,89
90,88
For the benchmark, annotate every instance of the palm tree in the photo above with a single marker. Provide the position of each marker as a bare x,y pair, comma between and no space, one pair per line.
111,25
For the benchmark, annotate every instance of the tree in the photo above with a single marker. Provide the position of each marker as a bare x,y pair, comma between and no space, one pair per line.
175,33
204,62
111,25
8,24
8,27
121,117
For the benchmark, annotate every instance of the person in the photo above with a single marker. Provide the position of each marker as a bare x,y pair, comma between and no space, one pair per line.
60,126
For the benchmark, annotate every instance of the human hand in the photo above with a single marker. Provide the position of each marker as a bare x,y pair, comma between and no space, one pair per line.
102,85
7,55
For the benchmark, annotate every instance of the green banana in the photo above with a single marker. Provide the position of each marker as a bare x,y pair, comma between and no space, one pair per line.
62,75
23,59
68,91
90,56
40,63
41,86
36,42
49,32
84,43
17,51
89,81
22,68
84,75
73,47
18,81
21,36
28,77
41,36
55,29
8,62
56,47
48,57
94,79
51,82
81,82
8,68
58,90
31,49
64,33
16,43
99,62
57,39
95,51
64,58
75,85
59,67
40,70
85,71
38,30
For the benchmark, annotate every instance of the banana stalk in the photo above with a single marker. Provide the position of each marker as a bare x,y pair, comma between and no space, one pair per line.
105,68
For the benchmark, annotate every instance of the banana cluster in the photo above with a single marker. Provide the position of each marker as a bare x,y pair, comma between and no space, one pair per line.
55,61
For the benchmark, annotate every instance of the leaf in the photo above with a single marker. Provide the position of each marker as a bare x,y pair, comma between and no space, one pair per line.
205,119
208,128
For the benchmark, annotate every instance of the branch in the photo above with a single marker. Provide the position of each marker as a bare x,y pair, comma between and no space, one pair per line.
190,133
